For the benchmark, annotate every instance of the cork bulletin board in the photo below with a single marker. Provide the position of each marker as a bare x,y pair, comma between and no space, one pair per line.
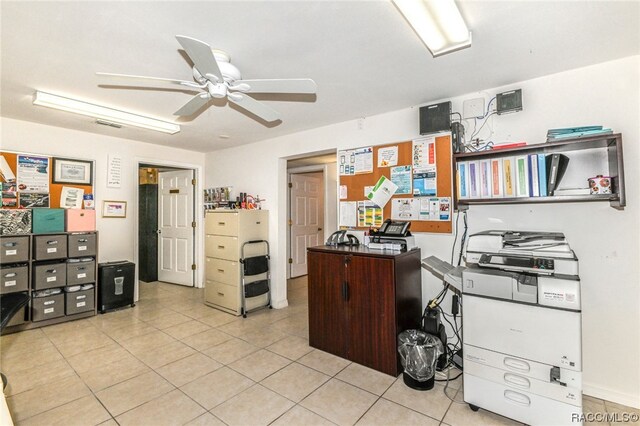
10,188
354,184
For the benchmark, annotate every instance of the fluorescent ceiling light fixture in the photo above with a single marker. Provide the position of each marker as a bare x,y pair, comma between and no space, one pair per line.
438,23
103,113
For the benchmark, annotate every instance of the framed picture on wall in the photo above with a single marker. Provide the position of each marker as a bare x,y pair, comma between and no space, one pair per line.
114,209
78,172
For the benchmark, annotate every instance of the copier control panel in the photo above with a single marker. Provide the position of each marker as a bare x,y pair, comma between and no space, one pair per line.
537,265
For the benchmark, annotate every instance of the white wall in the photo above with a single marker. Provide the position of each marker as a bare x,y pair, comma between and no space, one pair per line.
606,240
116,235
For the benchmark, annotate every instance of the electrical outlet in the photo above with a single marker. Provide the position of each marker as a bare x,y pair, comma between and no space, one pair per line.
473,108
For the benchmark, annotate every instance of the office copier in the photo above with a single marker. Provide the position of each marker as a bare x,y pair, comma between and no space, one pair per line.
522,340
522,343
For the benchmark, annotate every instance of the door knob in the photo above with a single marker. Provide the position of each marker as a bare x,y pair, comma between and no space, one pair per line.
159,231
319,229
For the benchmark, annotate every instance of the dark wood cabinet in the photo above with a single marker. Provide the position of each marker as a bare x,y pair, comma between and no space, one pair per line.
360,300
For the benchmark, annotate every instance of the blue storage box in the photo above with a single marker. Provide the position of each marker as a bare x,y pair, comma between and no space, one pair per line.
47,221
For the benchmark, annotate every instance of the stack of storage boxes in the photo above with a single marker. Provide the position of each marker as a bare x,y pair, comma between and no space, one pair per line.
15,226
57,268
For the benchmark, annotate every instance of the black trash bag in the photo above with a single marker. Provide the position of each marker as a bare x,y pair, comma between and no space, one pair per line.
419,352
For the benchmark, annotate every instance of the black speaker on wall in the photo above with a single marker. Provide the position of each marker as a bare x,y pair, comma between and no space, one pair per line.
435,118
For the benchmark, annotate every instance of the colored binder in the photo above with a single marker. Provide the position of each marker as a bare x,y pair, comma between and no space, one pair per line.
542,175
522,176
509,171
497,179
556,166
534,189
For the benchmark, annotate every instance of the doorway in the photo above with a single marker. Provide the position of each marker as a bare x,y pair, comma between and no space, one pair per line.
312,207
166,224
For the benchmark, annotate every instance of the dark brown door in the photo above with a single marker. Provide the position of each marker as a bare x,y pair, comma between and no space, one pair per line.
371,313
327,306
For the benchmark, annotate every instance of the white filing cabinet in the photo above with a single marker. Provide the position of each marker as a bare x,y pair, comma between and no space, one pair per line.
225,232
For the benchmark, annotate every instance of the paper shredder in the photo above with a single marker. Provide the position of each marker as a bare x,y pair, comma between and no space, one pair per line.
115,285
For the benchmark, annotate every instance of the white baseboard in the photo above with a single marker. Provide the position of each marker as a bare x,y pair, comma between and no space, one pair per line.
611,395
279,304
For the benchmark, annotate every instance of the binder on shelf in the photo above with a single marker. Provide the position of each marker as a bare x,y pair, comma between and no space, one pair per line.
463,180
474,179
497,180
522,176
556,166
509,171
485,179
534,189
542,175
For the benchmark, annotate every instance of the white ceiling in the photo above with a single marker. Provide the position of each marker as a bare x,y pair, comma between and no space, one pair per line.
364,57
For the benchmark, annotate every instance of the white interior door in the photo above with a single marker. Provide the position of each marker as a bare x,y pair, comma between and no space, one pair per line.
175,227
307,218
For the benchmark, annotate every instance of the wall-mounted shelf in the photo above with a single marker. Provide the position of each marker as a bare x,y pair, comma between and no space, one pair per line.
611,143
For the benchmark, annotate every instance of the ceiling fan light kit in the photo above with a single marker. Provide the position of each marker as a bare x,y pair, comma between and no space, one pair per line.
217,77
105,114
438,23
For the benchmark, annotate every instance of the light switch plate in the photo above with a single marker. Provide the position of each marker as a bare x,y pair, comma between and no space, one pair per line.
473,108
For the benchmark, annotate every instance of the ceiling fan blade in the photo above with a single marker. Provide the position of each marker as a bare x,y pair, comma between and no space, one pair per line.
140,79
201,55
197,102
292,85
257,108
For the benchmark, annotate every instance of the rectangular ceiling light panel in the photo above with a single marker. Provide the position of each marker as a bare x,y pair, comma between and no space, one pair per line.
438,23
103,113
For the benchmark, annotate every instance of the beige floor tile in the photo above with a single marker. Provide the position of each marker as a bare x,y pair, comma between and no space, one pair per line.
454,383
624,415
109,422
263,337
259,365
207,419
35,358
20,348
292,347
462,415
295,381
186,329
188,369
101,356
198,311
366,378
42,375
167,320
300,416
81,412
385,413
241,326
27,336
206,339
339,402
324,362
216,387
217,318
44,398
83,344
173,408
69,330
152,340
133,392
163,355
114,321
230,351
112,373
134,330
433,403
255,406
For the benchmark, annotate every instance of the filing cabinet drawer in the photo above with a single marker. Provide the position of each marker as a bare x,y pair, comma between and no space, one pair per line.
44,308
222,247
14,249
14,279
19,318
223,295
49,275
221,223
223,271
79,301
81,272
82,245
47,247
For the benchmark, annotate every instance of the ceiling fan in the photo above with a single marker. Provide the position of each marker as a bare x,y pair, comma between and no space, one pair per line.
216,77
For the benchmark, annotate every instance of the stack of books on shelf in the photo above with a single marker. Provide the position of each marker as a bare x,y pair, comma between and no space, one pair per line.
554,135
532,175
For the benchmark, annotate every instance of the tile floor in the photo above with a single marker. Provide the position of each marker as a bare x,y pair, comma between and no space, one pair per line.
172,360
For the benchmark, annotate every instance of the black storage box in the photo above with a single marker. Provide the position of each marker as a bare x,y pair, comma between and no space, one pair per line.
115,285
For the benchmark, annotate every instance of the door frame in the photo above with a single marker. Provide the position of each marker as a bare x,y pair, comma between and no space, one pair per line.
198,206
297,171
